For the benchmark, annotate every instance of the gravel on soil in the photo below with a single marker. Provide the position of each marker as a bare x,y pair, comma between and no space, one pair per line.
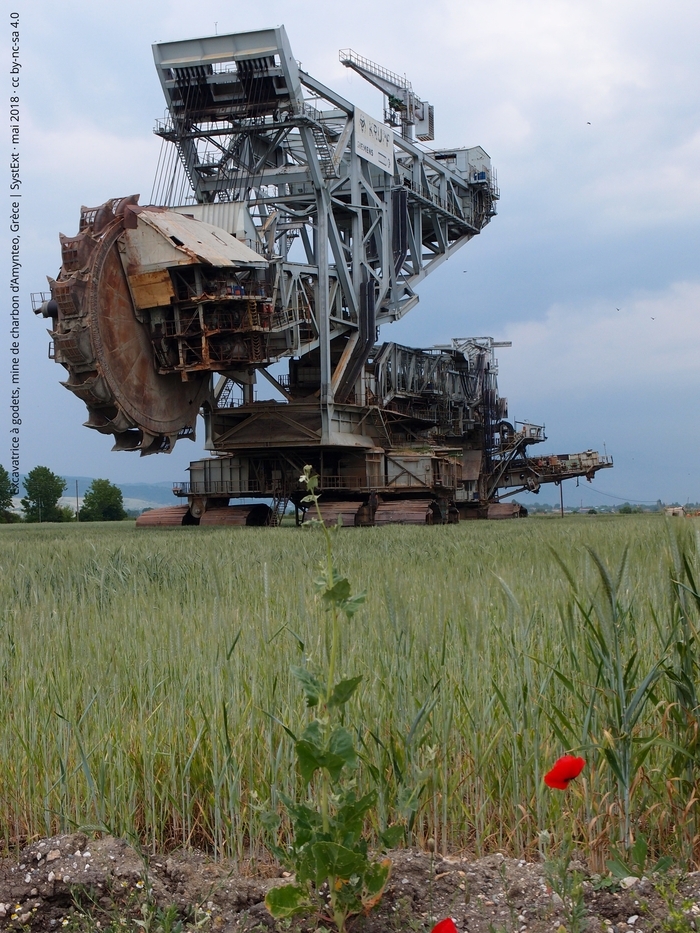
75,883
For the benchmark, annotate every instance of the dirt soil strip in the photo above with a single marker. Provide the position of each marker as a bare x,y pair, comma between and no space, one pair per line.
74,883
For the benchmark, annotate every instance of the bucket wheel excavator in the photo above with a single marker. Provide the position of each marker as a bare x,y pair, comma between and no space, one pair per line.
286,226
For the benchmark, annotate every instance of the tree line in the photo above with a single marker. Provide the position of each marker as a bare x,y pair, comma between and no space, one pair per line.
102,502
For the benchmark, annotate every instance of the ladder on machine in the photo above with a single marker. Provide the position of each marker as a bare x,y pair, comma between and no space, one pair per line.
278,508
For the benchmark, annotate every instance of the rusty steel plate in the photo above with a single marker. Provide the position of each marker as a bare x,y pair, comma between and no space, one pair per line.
238,515
331,510
159,405
168,517
404,512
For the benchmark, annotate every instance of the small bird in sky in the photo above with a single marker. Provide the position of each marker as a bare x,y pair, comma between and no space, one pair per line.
617,309
653,319
588,123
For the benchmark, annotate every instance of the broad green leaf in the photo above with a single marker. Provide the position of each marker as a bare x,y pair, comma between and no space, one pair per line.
336,861
270,819
662,866
638,852
310,685
341,744
351,605
351,814
311,758
408,799
392,835
343,691
287,900
339,592
333,764
312,735
618,869
308,758
374,882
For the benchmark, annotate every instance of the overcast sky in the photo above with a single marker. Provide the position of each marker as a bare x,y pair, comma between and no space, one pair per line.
590,112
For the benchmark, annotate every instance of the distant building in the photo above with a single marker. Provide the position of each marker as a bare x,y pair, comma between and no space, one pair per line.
676,511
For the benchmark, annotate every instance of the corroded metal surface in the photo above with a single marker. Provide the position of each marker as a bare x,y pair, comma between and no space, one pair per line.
238,515
404,512
330,511
168,517
159,405
498,510
107,351
201,241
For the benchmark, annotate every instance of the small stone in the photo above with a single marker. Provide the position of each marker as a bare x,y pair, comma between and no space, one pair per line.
633,919
27,878
86,854
34,892
556,900
25,918
628,882
3,909
53,855
51,876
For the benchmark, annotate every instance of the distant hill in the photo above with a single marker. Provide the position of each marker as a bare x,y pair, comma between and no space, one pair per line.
151,493
137,496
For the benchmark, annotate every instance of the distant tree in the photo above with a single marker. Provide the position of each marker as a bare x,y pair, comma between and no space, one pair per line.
6,497
625,509
103,502
43,489
5,489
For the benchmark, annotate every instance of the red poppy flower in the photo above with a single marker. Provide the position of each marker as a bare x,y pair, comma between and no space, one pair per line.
445,926
565,769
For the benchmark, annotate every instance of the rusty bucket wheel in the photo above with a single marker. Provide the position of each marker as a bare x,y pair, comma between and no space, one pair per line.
143,410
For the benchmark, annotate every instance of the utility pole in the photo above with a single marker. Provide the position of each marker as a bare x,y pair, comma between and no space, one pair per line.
561,497
77,505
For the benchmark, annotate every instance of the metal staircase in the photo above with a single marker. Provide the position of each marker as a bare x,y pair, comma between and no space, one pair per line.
329,169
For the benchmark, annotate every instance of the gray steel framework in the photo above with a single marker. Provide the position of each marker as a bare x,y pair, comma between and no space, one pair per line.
249,125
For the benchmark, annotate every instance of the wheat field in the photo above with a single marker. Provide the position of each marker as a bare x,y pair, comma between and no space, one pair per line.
146,687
